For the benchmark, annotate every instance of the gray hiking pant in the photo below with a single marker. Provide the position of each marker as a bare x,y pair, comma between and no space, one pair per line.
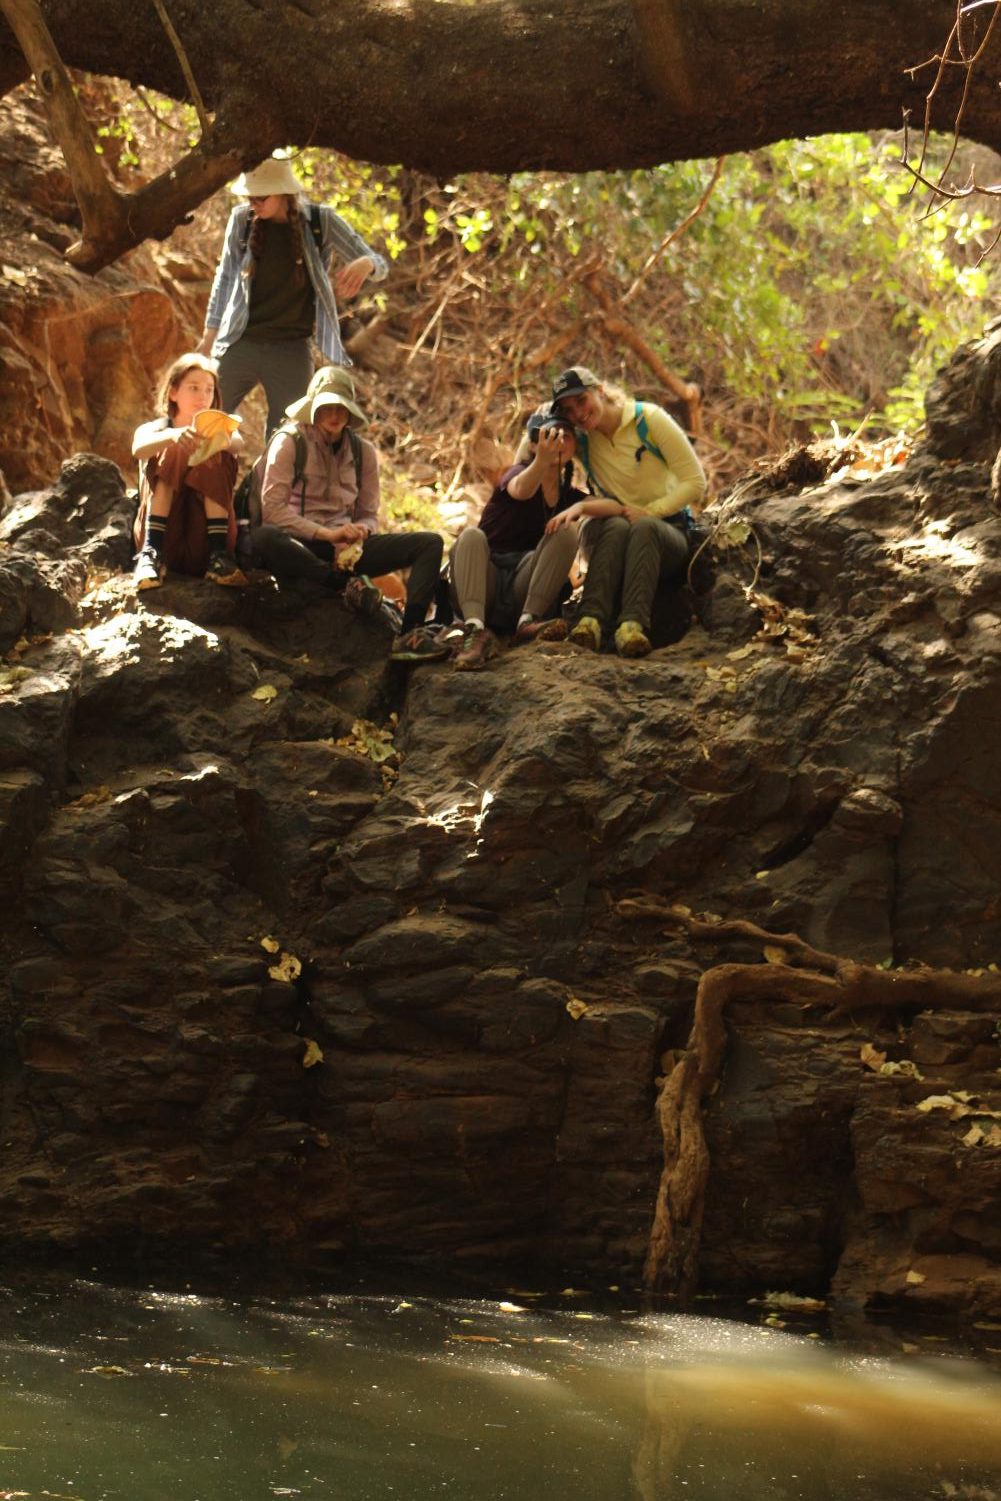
284,367
626,562
289,558
538,578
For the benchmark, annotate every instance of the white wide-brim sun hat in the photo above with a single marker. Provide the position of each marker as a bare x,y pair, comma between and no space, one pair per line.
273,176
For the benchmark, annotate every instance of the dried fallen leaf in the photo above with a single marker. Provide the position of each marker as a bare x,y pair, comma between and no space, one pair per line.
91,798
265,693
576,1008
915,1279
903,1067
872,1057
732,534
287,969
774,955
955,1105
348,556
313,1054
942,1102
270,944
106,1370
371,741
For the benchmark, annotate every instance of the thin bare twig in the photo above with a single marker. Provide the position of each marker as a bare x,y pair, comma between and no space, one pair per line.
161,120
677,232
182,58
966,61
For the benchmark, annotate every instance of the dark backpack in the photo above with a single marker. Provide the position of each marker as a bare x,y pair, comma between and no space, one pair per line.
247,496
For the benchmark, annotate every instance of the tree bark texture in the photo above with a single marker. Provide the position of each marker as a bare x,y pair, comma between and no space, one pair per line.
500,85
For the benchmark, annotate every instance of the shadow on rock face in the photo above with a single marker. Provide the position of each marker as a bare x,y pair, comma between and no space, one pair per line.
289,974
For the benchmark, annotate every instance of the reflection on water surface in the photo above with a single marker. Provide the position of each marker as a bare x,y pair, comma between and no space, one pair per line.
109,1393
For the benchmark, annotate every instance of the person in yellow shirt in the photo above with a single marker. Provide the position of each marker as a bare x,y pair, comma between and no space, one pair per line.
646,476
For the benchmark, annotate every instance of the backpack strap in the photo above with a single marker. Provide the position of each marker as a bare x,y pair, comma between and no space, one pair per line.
643,432
356,454
298,463
584,456
316,226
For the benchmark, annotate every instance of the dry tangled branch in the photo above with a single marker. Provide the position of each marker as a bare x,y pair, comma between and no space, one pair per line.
967,59
113,221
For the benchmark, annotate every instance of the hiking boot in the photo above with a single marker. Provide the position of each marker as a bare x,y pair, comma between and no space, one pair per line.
362,596
586,633
150,570
479,647
541,630
224,569
418,645
631,640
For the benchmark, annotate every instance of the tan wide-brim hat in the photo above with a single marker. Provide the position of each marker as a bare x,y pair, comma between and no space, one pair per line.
273,176
331,386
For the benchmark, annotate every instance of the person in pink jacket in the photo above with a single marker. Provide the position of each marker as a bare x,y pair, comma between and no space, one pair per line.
320,517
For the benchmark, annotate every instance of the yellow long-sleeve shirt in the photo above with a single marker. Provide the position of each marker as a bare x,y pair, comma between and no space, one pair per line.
626,471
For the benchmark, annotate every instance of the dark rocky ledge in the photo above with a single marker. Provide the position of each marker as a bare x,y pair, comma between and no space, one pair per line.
492,1028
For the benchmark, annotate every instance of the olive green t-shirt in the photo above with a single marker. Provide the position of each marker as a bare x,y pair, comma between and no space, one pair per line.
279,309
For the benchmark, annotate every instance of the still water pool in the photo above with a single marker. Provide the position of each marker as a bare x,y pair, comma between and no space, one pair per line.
108,1394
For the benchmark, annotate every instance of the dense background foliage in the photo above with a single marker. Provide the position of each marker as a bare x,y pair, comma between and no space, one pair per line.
814,287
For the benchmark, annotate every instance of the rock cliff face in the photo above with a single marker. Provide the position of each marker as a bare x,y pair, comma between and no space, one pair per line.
179,781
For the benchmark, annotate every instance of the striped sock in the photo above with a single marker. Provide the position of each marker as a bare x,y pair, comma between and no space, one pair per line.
156,527
218,530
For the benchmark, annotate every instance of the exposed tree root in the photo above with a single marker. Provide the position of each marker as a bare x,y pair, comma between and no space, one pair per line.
805,975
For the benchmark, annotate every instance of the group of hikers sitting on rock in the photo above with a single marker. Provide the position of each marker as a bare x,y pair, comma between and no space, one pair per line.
316,487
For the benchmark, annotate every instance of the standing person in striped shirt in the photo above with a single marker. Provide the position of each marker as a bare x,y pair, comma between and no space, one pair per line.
272,295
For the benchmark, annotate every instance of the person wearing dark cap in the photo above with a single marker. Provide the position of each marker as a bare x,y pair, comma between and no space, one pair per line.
506,569
646,476
320,514
271,294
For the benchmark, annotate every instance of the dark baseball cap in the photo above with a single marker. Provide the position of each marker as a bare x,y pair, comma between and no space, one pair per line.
546,416
574,382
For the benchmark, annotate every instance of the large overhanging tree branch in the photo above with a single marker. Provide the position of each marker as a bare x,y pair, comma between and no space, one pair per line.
501,85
